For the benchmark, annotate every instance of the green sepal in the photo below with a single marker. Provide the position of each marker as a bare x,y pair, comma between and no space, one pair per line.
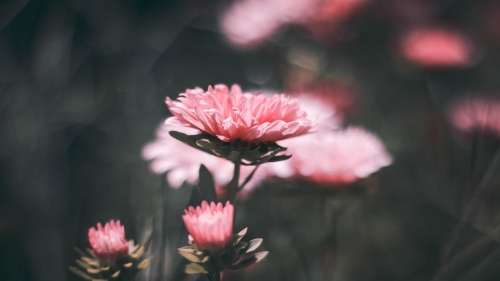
194,268
249,260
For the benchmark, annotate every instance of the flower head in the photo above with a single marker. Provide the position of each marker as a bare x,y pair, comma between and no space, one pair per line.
476,115
437,47
233,115
336,157
210,225
108,243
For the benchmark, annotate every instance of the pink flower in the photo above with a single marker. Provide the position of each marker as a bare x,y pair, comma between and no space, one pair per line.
337,10
211,226
341,98
108,243
476,115
233,115
437,47
336,157
249,22
182,162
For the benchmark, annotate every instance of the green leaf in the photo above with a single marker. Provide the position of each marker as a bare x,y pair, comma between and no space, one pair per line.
249,260
279,158
80,273
243,232
116,274
240,246
206,184
81,253
145,263
194,268
183,138
93,270
137,253
128,265
190,257
205,259
254,244
91,261
188,249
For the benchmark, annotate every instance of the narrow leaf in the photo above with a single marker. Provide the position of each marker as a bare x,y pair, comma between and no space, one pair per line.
83,264
249,260
128,265
190,257
81,253
93,270
194,268
145,263
206,184
188,249
279,158
80,273
254,244
116,274
137,253
90,261
243,232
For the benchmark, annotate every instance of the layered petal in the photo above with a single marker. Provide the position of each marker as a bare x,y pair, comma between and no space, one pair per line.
233,115
108,243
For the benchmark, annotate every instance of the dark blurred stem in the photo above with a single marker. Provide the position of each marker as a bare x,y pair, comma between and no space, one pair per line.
248,178
210,278
234,182
217,276
474,204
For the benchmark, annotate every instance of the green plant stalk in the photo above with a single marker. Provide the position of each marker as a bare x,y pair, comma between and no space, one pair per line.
234,186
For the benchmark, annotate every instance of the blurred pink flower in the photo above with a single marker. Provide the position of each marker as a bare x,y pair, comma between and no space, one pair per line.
337,10
210,226
437,47
342,97
182,163
411,11
108,243
476,115
336,157
233,115
249,22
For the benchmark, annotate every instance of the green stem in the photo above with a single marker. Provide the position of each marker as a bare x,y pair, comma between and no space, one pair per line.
248,178
235,182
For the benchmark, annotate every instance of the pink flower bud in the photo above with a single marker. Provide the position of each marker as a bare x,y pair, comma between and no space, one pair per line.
108,243
210,225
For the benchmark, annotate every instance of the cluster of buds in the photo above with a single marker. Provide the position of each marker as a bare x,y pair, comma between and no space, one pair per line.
213,247
112,257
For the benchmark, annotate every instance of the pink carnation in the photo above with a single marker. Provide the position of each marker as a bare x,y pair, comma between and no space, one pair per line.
233,115
437,47
479,114
182,163
336,157
108,243
211,225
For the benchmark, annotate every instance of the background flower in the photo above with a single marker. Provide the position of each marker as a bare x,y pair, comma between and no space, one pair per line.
476,115
336,157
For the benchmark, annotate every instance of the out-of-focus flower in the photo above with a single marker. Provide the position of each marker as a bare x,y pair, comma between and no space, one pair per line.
108,243
337,10
211,225
182,163
336,157
437,47
325,99
476,115
233,115
249,22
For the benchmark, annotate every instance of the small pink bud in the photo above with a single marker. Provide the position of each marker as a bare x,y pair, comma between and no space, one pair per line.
210,225
108,243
